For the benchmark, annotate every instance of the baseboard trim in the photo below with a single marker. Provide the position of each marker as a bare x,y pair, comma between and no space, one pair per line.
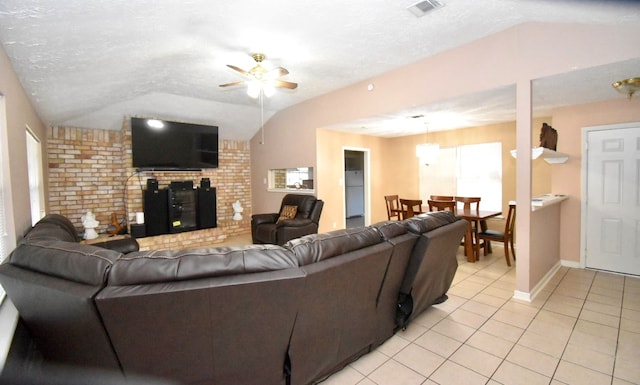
571,264
529,297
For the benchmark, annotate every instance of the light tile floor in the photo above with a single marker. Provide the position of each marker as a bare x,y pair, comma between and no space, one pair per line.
583,328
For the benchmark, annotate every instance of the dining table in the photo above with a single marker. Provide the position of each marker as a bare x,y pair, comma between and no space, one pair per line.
471,245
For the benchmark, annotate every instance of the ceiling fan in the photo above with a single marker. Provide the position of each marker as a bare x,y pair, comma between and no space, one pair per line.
261,79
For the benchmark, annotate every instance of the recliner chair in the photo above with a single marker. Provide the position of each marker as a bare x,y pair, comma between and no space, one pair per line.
277,229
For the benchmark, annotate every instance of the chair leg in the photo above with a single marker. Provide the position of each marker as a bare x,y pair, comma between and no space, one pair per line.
513,250
506,253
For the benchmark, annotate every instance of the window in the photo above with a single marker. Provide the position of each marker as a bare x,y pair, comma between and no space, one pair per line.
7,233
8,312
469,170
300,178
36,186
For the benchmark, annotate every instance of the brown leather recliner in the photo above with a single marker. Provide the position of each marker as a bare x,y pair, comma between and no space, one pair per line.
266,228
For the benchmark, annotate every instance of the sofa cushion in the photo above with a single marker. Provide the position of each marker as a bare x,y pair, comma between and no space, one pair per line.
303,202
178,265
426,222
288,212
317,247
69,260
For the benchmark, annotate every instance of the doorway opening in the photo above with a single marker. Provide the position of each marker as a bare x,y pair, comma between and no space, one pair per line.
356,187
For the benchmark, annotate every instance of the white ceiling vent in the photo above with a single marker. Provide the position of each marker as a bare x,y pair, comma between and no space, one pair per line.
422,7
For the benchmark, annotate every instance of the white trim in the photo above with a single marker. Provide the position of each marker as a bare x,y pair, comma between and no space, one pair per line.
529,297
5,174
571,264
8,312
35,175
583,188
292,190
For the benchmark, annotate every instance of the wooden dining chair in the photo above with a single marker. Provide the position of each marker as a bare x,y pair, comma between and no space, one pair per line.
468,203
410,207
505,236
393,207
442,205
473,203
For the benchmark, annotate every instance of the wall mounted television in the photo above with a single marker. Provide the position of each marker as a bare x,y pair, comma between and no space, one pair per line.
165,145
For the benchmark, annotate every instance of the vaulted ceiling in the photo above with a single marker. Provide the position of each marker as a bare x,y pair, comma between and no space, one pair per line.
90,64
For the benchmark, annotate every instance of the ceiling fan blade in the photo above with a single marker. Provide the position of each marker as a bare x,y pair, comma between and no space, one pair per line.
285,84
245,73
232,84
276,73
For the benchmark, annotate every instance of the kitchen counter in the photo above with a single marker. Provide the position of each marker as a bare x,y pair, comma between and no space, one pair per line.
545,200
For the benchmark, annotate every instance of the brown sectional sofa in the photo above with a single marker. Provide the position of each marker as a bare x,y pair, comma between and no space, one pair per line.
256,314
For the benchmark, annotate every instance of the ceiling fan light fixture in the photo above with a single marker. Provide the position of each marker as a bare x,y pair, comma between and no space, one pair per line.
258,57
253,88
627,86
260,80
268,89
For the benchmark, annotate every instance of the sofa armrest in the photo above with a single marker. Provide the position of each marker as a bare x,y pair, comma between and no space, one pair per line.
124,246
258,219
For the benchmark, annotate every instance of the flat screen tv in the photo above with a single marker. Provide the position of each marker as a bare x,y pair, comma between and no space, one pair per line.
165,145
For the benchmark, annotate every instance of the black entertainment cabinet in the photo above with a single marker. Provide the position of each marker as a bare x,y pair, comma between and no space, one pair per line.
179,207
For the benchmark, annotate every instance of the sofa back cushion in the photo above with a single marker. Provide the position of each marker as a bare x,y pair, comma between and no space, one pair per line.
178,265
317,247
214,330
390,229
53,283
426,222
336,320
433,262
67,260
396,234
54,226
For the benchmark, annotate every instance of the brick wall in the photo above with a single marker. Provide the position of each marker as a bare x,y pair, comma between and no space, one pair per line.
91,169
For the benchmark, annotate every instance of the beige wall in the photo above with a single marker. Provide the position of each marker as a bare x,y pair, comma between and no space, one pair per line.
330,152
288,143
20,114
394,166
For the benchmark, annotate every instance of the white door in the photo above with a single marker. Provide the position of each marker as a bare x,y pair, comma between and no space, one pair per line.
613,200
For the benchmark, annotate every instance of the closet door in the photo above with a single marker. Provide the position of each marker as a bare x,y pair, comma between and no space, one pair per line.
613,200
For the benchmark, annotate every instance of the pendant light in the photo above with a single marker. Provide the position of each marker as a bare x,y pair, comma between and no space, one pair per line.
427,152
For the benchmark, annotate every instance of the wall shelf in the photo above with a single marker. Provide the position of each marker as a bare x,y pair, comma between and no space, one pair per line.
550,156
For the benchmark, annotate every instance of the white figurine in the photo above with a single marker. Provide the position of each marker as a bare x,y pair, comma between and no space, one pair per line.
89,222
237,211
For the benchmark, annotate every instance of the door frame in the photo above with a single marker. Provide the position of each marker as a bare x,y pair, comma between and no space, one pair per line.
367,185
584,174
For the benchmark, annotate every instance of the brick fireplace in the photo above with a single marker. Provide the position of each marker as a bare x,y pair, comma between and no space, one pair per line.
91,169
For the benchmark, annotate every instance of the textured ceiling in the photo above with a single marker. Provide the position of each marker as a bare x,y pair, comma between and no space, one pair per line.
90,63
